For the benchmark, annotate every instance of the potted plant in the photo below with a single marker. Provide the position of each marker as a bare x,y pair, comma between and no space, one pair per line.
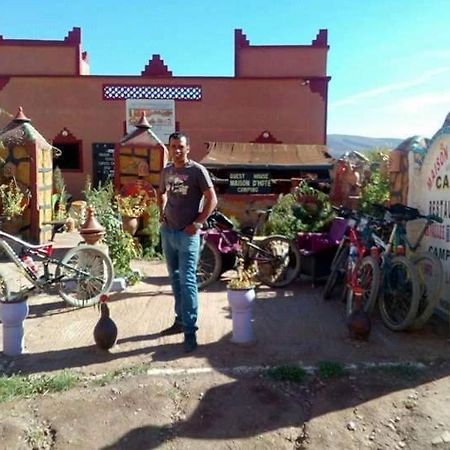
131,207
13,203
241,294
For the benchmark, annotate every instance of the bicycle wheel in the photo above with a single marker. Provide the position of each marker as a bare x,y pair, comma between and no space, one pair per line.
431,278
368,273
400,294
277,261
85,273
337,270
4,289
209,265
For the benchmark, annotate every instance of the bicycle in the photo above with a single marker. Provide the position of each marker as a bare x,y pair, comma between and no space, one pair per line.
276,258
428,272
354,264
82,275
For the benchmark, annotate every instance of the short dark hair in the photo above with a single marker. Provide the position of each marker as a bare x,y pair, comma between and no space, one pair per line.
179,135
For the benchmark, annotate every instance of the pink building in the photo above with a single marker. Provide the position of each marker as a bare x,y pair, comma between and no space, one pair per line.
278,94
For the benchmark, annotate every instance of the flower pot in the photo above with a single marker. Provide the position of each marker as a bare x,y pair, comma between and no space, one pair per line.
241,303
12,315
130,224
12,226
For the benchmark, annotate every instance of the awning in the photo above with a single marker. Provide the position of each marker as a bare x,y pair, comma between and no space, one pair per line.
233,155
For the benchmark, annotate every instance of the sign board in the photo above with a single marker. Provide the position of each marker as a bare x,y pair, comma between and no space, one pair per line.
160,115
429,191
250,182
102,163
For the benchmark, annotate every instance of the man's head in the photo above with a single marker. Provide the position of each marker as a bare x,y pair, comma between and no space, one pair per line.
178,148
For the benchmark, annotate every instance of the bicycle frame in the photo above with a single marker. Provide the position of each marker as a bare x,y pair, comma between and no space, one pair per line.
43,252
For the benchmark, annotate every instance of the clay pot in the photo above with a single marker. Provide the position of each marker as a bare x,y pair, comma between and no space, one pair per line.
91,231
130,224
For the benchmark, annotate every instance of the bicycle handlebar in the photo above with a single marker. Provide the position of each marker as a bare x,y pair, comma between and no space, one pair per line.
402,212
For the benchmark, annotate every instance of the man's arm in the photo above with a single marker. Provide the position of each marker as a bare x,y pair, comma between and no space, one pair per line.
210,202
162,200
208,205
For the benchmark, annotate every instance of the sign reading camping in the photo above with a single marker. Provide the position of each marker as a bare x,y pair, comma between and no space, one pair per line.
249,183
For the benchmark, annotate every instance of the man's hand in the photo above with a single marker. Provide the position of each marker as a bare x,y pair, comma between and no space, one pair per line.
191,229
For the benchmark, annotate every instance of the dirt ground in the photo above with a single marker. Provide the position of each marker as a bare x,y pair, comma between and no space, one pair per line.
220,396
365,409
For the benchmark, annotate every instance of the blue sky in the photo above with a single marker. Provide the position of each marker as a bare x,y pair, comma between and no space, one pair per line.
389,59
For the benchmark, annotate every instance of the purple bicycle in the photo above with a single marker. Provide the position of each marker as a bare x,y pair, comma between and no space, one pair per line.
275,257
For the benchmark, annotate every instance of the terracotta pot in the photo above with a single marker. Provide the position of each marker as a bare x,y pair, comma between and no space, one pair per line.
130,224
12,226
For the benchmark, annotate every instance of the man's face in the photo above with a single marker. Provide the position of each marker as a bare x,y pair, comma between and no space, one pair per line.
178,150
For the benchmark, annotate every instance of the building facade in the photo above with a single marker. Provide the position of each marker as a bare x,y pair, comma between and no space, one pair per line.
276,91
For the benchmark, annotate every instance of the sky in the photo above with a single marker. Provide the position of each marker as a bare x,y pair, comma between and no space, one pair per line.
389,60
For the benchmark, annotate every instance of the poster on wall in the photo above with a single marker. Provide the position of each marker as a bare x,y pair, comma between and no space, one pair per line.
429,191
160,115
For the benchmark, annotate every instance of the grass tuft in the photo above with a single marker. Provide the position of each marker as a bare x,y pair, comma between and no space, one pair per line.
294,373
331,369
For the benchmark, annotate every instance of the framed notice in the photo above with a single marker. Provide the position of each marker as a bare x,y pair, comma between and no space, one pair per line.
102,163
249,183
160,115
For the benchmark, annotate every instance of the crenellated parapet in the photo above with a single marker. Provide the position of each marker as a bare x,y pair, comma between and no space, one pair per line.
156,68
74,36
321,39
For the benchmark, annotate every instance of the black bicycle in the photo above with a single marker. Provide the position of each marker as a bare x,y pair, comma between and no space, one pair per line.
276,258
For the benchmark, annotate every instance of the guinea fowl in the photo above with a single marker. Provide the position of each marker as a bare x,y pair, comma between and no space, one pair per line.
105,331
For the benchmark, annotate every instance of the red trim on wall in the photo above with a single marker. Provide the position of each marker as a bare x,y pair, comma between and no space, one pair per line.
3,82
266,137
156,68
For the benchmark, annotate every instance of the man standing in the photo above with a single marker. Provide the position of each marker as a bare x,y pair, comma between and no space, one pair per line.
186,198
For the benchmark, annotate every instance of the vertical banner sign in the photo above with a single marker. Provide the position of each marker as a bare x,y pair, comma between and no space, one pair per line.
160,115
429,191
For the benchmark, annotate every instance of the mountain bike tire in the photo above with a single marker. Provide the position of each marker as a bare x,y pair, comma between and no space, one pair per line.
337,270
369,281
277,261
209,265
85,273
431,279
400,294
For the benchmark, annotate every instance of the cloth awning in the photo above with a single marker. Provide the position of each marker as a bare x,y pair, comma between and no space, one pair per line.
223,155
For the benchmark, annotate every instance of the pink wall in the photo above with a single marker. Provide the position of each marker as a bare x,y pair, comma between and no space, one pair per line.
231,109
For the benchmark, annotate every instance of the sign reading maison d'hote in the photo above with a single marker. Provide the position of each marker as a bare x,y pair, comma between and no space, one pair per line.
429,191
249,183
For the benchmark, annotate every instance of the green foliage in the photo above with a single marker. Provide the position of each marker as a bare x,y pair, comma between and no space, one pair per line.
282,220
151,246
60,196
18,386
375,191
290,372
295,212
121,245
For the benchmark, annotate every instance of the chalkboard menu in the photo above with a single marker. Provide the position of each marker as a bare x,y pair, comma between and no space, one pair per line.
102,163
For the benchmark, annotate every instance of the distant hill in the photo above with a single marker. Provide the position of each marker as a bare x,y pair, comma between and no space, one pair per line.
340,143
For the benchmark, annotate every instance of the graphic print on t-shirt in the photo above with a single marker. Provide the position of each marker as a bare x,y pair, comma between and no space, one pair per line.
176,184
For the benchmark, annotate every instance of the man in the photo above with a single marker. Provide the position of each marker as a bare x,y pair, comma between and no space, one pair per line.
186,198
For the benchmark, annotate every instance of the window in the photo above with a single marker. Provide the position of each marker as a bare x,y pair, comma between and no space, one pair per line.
71,157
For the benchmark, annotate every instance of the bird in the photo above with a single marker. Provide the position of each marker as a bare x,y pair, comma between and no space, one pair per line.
105,331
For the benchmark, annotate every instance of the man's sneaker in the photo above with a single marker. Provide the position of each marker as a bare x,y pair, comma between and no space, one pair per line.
174,329
190,343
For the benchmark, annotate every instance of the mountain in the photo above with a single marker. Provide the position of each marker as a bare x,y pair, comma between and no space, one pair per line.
340,143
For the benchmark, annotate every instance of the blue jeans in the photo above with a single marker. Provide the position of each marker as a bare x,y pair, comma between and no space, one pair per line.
181,251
